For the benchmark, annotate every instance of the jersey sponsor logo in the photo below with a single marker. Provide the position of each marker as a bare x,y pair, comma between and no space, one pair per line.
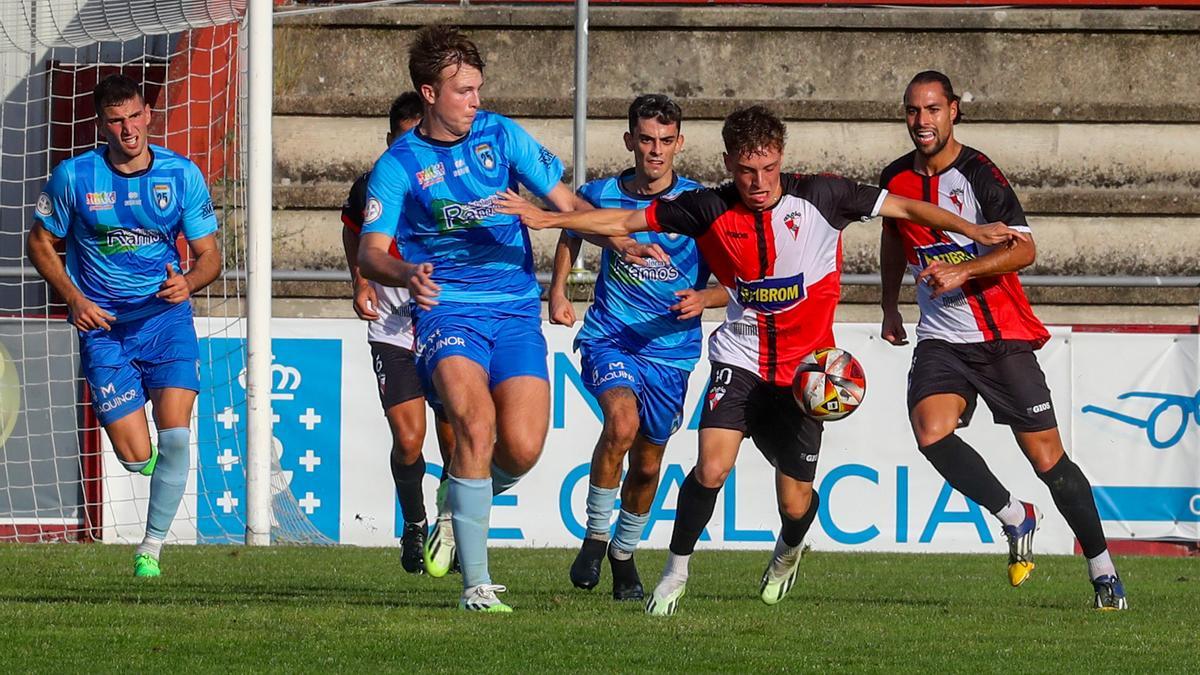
792,220
458,216
487,158
653,270
947,252
372,211
44,206
956,198
162,195
431,175
100,201
133,199
461,168
616,371
123,240
770,296
206,211
436,341
546,157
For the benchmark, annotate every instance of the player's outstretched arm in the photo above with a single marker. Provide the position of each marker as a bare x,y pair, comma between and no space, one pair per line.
891,273
84,313
376,264
931,215
562,311
1011,257
604,222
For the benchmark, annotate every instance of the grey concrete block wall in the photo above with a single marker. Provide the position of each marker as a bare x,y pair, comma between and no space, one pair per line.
1093,114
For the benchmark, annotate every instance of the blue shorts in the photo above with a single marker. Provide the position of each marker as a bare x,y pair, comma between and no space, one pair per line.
154,352
505,339
660,389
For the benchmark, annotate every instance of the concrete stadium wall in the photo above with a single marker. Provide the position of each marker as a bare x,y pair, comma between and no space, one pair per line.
1093,114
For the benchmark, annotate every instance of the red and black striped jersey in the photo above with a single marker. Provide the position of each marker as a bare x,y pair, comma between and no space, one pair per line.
984,309
781,267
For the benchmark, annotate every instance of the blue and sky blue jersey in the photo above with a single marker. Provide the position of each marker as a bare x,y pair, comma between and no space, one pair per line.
436,199
121,228
631,301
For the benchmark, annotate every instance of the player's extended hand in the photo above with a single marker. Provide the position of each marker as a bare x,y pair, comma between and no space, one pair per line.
365,301
175,289
421,286
515,205
87,315
892,329
562,311
993,234
642,254
691,304
943,277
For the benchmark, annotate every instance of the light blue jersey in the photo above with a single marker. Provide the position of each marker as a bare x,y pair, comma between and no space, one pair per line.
121,229
631,303
436,200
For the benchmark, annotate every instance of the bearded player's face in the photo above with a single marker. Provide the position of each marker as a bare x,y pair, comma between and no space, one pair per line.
456,98
929,115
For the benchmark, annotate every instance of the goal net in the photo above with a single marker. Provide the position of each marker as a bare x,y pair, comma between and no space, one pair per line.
59,479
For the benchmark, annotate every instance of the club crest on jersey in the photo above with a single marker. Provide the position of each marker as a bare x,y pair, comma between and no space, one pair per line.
947,252
956,198
162,195
771,296
487,158
792,220
431,175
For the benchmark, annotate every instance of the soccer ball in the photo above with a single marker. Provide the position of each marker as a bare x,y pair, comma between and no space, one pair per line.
829,384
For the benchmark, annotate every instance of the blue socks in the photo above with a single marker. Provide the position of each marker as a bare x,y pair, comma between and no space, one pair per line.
629,530
168,481
470,502
600,503
502,480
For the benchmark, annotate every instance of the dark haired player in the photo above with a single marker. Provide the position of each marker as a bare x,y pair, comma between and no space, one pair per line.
774,242
639,343
121,208
977,334
480,349
390,336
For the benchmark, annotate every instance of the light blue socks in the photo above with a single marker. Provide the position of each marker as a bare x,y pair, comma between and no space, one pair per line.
168,480
470,502
600,503
629,530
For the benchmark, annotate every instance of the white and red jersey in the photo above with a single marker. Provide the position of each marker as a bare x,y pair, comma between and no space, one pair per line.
782,267
984,309
394,325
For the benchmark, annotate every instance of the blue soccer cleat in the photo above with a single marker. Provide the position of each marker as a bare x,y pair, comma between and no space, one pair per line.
1110,593
1020,545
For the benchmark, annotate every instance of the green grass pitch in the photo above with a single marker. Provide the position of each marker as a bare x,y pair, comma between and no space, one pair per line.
76,608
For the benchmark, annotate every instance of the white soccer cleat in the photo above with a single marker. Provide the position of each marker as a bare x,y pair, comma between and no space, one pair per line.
482,598
665,599
779,577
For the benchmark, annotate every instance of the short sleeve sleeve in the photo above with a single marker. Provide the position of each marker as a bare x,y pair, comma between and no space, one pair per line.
56,202
846,201
997,200
356,202
536,167
688,213
386,192
199,217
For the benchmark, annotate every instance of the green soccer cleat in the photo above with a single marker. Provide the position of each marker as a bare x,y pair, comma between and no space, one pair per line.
439,548
779,578
145,565
482,598
665,599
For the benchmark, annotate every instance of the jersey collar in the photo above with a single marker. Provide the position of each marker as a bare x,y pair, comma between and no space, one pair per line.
629,173
135,174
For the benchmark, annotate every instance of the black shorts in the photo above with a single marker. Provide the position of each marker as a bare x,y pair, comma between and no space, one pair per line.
396,374
1004,372
740,400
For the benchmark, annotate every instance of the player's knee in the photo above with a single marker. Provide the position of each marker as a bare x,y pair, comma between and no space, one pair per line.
620,430
929,430
712,474
644,471
406,447
797,504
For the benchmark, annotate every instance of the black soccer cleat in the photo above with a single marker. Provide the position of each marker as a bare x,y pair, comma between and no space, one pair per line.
585,571
627,585
412,548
